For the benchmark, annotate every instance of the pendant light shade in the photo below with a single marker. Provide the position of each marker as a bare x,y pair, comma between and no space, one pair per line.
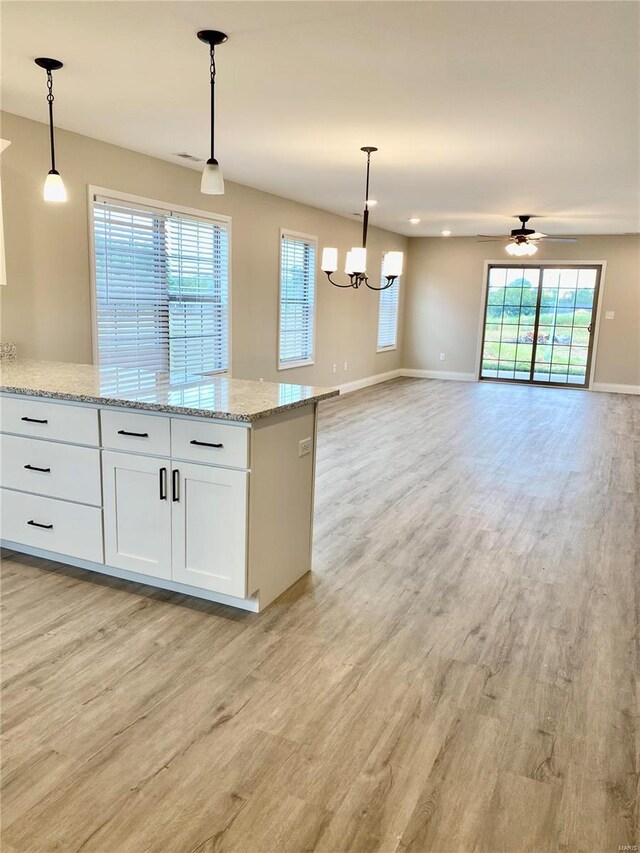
54,189
212,181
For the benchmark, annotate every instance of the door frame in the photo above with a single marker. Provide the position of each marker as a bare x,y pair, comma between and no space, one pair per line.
569,264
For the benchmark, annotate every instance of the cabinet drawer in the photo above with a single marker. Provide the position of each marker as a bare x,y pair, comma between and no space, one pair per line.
48,468
135,433
53,421
216,444
65,528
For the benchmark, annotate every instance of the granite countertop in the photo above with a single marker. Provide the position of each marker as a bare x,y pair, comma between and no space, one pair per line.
203,396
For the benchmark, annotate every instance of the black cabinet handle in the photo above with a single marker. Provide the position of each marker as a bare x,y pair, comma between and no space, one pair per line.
34,420
204,443
35,468
43,526
175,485
163,484
135,434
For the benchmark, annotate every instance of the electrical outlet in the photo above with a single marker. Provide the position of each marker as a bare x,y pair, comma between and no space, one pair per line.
304,447
335,368
442,356
345,366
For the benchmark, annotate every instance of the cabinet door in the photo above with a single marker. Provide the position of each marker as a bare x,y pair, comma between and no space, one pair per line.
210,528
137,513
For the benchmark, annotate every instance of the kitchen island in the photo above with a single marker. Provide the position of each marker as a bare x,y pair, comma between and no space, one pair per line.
202,485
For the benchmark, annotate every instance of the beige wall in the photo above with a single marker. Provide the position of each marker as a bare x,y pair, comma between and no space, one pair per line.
46,306
444,298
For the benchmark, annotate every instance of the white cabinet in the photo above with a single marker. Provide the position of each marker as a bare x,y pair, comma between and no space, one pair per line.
137,513
185,523
209,521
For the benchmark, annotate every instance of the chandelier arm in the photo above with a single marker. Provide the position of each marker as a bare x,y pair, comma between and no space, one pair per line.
337,284
390,281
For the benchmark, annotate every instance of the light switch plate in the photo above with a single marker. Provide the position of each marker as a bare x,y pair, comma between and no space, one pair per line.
609,315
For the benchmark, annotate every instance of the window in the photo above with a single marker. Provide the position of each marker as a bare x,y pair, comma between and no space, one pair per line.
161,289
297,299
388,315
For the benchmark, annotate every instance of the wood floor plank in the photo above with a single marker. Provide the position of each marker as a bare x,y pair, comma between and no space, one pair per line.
459,672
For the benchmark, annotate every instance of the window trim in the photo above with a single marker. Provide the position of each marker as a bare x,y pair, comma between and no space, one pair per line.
394,346
308,238
164,207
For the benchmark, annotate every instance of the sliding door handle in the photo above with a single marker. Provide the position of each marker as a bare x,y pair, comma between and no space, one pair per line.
163,484
175,485
43,526
35,468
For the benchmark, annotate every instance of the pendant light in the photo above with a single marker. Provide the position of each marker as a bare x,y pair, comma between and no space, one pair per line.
54,189
356,260
212,180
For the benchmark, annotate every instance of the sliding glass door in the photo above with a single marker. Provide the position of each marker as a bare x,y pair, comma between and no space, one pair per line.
538,324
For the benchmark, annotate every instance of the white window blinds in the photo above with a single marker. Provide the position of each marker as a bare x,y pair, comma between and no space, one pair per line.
162,290
297,299
388,315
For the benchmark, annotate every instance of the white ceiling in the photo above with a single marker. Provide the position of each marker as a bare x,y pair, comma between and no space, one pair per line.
481,110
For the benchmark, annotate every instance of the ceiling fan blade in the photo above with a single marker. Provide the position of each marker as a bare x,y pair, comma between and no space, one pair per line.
537,235
560,239
494,236
491,240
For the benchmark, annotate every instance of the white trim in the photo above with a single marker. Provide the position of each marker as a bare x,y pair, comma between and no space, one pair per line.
357,384
164,207
454,375
541,265
387,349
308,238
612,388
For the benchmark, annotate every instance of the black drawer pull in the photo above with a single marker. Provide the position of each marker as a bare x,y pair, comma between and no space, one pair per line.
135,434
204,443
34,420
175,485
43,526
35,468
163,484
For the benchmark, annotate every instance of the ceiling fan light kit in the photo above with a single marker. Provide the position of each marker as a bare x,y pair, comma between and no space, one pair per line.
212,180
356,260
54,189
524,241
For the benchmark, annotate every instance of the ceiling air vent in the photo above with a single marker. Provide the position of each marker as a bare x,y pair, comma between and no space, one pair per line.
185,156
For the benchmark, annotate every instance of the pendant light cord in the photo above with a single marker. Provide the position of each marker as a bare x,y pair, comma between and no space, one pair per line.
50,100
213,84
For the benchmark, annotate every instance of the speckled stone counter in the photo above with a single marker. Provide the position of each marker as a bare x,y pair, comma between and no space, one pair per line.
217,397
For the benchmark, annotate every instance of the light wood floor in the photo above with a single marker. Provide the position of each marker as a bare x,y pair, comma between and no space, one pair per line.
458,674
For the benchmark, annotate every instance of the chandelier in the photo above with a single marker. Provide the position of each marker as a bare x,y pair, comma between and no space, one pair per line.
356,260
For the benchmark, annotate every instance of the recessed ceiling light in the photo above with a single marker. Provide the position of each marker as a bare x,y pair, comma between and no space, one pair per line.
446,233
414,220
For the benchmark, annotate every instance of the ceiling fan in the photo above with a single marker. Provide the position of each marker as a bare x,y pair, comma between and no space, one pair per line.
523,240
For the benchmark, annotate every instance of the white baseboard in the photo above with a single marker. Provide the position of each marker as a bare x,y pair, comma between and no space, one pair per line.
615,389
416,373
438,374
357,384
